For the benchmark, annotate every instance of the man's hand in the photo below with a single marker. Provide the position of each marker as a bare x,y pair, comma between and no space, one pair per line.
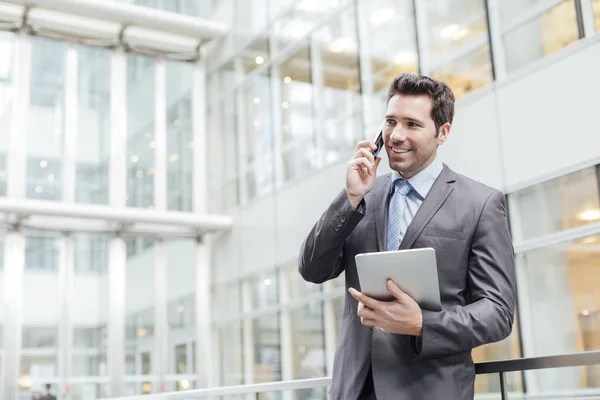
361,172
402,316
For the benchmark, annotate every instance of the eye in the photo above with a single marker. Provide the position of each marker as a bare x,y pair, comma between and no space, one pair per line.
413,124
390,122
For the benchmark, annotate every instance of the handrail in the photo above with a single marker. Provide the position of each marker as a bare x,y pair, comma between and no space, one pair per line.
489,367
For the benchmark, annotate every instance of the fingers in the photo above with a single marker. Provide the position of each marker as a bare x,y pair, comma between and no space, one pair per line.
364,152
368,322
366,300
366,312
366,144
363,164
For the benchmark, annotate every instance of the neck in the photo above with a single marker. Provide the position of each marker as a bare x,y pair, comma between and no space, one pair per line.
410,174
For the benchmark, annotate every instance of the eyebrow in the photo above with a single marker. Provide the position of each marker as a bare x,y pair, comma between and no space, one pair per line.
392,116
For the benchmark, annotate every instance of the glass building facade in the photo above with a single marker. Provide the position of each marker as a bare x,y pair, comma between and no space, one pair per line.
98,309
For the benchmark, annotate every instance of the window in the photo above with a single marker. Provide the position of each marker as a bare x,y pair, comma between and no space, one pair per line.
567,202
547,31
45,120
299,153
94,125
459,44
141,143
336,66
180,145
562,297
308,341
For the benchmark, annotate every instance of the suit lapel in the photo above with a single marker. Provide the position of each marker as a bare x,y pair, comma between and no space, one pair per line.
441,189
381,199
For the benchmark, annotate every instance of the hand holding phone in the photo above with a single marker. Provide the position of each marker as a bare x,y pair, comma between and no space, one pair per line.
379,143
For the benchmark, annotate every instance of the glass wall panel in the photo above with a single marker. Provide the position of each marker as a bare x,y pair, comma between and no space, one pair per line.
298,287
562,297
567,202
93,136
89,313
231,354
336,65
259,151
299,152
308,341
540,36
7,52
180,145
181,304
141,142
267,349
265,290
458,44
45,120
40,311
139,322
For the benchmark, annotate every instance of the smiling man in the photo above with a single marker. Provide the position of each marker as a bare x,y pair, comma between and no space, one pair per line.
395,350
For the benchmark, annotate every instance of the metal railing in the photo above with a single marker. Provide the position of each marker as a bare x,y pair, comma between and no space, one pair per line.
501,367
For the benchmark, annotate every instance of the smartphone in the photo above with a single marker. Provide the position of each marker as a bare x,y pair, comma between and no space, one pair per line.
379,143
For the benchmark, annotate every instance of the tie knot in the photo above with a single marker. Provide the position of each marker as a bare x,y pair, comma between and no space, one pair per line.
402,186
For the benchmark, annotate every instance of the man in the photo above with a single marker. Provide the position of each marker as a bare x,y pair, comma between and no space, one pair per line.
48,395
395,350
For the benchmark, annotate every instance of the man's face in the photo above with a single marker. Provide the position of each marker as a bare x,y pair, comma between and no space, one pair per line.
409,134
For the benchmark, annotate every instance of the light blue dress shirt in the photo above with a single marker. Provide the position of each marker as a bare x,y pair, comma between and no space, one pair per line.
421,184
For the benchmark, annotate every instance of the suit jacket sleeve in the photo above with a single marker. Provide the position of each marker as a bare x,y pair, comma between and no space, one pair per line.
321,255
488,316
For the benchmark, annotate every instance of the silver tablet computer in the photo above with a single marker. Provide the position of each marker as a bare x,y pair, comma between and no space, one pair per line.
414,271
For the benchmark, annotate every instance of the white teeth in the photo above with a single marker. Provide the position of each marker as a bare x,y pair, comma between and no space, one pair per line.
400,150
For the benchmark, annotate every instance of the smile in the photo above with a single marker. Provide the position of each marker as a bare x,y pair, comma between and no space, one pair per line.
400,151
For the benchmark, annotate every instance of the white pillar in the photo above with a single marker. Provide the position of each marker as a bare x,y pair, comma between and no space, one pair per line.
66,270
329,322
14,257
117,252
316,76
205,350
366,67
71,112
425,63
496,44
16,162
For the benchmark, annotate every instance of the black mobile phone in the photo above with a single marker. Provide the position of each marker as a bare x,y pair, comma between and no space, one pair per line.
379,143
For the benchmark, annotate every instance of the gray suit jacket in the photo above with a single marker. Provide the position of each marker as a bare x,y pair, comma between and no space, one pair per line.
466,223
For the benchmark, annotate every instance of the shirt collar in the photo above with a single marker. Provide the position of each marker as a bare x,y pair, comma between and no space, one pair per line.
423,181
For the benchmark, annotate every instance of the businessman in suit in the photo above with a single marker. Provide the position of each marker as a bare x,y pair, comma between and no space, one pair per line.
395,350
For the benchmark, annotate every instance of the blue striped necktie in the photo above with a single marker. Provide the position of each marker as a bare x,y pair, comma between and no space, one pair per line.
396,221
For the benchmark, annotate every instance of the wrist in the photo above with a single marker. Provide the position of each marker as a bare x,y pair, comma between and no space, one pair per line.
354,200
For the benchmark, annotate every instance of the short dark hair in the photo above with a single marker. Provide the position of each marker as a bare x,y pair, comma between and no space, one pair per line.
441,95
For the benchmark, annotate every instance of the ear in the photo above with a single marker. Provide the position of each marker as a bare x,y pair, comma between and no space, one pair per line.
443,133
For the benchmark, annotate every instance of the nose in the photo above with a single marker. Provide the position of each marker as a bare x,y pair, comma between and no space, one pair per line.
398,134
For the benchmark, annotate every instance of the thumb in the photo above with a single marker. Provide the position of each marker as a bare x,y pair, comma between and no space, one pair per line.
395,290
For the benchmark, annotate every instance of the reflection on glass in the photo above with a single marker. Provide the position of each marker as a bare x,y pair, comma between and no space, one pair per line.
297,130
298,287
562,203
180,145
7,46
40,301
541,36
89,308
336,57
505,349
258,135
93,101
267,349
231,354
265,290
468,73
563,297
45,119
139,320
181,298
458,44
390,41
308,341
250,18
227,140
228,301
141,143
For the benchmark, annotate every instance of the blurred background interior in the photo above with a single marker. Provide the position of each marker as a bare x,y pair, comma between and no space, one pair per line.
162,160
